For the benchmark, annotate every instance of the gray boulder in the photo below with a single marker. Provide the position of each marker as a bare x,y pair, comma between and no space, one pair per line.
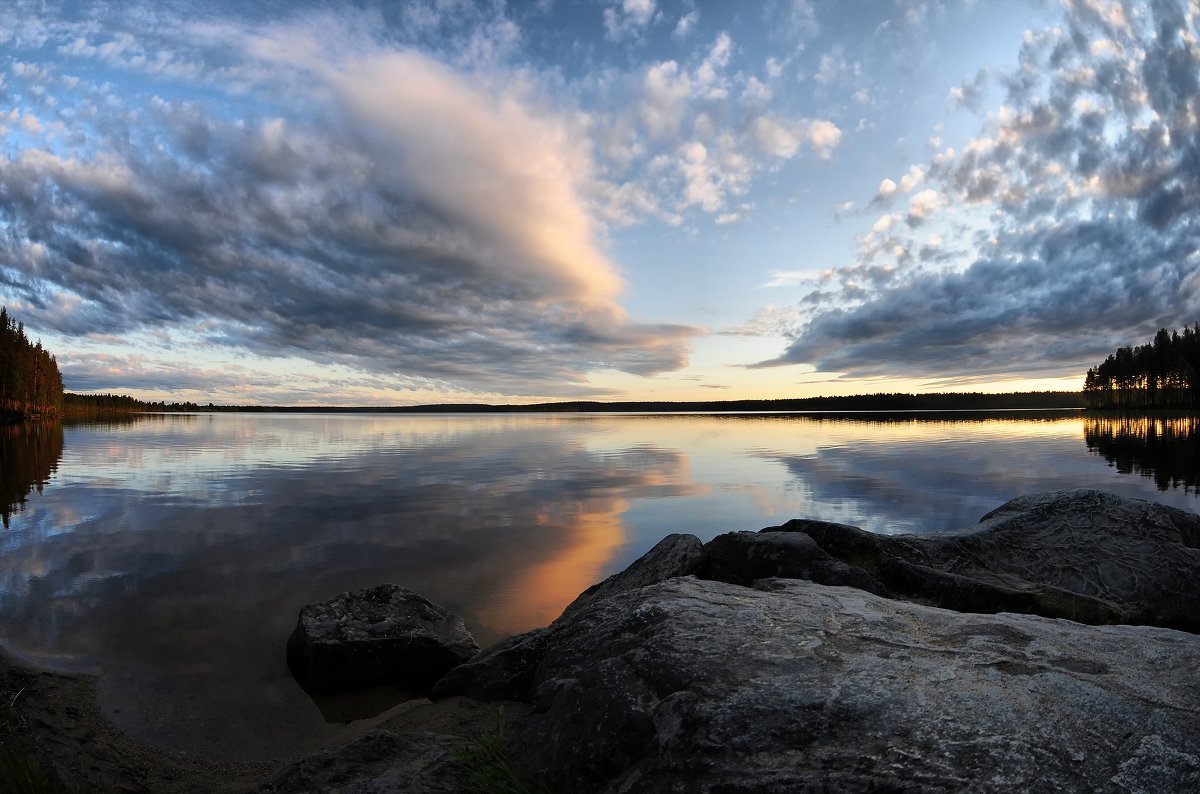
502,672
702,686
743,557
381,635
1080,554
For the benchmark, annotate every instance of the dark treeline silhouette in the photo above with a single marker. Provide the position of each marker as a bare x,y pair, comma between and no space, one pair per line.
1166,450
1165,373
30,383
861,402
29,454
83,405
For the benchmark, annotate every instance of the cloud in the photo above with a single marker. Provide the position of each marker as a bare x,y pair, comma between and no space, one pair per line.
784,138
922,206
969,93
666,91
686,24
1085,235
412,220
728,142
628,18
885,192
834,69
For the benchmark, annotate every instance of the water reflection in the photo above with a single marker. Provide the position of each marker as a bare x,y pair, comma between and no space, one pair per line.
29,455
171,555
1164,450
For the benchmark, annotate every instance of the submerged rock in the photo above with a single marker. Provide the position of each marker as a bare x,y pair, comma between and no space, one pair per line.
1080,554
381,635
704,686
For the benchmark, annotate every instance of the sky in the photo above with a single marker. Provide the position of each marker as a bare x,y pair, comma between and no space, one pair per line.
452,201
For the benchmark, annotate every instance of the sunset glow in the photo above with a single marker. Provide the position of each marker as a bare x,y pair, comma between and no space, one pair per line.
523,201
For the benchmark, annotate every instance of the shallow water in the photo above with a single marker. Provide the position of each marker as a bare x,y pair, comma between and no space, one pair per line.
170,555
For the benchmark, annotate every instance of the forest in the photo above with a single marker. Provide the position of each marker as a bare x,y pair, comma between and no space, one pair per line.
1163,373
30,383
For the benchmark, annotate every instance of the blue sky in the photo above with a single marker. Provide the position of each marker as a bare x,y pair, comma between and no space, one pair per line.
436,201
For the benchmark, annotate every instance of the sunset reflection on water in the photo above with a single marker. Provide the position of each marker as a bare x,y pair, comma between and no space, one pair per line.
171,555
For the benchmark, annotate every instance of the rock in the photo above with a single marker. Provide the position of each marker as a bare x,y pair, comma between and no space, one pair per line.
505,671
1081,554
702,686
378,762
381,635
674,555
742,557
502,672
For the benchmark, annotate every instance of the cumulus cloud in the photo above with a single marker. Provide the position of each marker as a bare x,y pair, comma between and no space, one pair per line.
969,93
784,138
1089,181
686,24
885,191
728,141
922,206
628,18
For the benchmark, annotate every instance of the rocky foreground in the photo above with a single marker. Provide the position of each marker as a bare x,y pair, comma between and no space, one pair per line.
1052,647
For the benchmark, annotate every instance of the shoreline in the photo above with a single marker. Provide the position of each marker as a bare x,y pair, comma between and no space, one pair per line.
55,719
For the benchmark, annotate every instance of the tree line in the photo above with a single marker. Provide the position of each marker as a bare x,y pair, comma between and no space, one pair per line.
1164,373
30,383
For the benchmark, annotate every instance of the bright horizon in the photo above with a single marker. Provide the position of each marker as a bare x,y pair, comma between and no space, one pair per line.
554,200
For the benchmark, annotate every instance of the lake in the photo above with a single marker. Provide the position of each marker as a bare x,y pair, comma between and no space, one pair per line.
170,554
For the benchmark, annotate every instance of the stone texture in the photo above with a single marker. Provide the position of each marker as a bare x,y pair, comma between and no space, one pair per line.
1081,554
502,672
378,762
381,635
701,686
742,557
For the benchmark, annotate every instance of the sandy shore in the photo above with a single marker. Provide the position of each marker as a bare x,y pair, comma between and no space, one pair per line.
55,718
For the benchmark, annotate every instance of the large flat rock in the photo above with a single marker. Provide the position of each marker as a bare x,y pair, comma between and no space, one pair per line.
702,686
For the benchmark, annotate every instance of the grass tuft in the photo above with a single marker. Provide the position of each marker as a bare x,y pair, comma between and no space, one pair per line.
489,770
22,773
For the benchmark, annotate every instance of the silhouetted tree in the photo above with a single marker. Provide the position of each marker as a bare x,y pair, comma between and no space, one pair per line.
30,383
1164,373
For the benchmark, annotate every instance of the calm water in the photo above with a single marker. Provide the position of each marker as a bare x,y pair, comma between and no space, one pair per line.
170,555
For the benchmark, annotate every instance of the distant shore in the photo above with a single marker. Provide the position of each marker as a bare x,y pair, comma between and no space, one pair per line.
897,402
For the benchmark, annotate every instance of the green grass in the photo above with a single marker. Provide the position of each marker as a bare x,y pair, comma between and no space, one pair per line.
489,770
22,773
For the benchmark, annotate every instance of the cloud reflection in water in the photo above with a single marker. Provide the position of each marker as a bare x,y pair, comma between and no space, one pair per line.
172,555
